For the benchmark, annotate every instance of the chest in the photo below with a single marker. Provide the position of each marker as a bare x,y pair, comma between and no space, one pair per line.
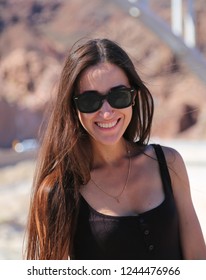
143,192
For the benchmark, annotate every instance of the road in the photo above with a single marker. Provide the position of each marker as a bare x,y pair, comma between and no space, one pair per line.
10,157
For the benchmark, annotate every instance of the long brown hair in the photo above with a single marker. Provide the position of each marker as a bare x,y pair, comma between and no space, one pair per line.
65,156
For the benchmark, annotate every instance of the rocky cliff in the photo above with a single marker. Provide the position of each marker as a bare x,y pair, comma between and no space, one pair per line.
35,36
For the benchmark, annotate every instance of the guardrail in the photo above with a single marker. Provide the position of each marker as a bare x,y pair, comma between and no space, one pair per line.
191,56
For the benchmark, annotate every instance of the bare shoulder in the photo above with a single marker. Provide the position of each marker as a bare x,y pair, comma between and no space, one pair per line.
171,154
177,170
175,163
174,159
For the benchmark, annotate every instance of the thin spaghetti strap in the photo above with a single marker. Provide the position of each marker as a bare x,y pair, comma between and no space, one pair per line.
163,167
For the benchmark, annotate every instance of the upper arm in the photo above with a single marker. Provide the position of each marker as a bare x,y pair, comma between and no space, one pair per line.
192,240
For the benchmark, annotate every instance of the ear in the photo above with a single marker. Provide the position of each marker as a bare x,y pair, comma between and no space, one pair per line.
133,101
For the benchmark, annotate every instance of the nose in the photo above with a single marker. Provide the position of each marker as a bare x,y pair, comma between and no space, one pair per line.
106,111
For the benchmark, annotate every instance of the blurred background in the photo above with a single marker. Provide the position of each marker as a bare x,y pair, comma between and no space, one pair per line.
165,39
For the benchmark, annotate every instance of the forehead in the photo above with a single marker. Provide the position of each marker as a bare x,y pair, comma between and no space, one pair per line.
102,77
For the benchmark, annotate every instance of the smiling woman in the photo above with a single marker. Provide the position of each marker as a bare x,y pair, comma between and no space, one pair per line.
100,191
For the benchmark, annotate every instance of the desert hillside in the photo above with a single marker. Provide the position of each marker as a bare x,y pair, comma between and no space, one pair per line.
36,35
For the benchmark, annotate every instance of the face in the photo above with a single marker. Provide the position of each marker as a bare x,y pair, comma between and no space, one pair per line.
107,125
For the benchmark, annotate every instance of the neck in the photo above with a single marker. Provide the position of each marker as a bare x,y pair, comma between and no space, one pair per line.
109,155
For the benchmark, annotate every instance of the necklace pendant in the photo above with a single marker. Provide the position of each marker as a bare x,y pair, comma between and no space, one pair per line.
117,199
124,187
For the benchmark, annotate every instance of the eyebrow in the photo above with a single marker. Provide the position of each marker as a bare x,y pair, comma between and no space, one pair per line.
116,87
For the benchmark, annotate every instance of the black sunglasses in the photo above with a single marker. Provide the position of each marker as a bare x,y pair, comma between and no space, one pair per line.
117,97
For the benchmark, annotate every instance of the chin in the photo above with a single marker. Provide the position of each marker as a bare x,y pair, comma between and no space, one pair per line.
108,141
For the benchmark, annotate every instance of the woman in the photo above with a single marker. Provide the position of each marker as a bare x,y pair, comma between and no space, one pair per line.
100,190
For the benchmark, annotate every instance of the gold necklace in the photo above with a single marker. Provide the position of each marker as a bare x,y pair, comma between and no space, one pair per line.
116,197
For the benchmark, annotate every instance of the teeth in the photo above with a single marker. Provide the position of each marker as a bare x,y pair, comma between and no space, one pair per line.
107,125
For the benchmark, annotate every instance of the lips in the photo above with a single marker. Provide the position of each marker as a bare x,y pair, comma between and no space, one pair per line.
108,124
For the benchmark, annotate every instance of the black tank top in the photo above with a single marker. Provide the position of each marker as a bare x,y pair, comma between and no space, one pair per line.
151,235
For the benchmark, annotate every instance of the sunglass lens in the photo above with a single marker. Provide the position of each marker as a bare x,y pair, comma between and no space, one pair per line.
88,102
120,98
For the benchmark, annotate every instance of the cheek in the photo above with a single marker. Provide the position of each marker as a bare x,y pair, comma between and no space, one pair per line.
128,114
85,120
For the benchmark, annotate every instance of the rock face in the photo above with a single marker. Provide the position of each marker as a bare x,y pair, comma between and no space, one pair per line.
35,36
26,78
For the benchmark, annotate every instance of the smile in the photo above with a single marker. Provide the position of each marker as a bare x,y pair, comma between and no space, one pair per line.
107,125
